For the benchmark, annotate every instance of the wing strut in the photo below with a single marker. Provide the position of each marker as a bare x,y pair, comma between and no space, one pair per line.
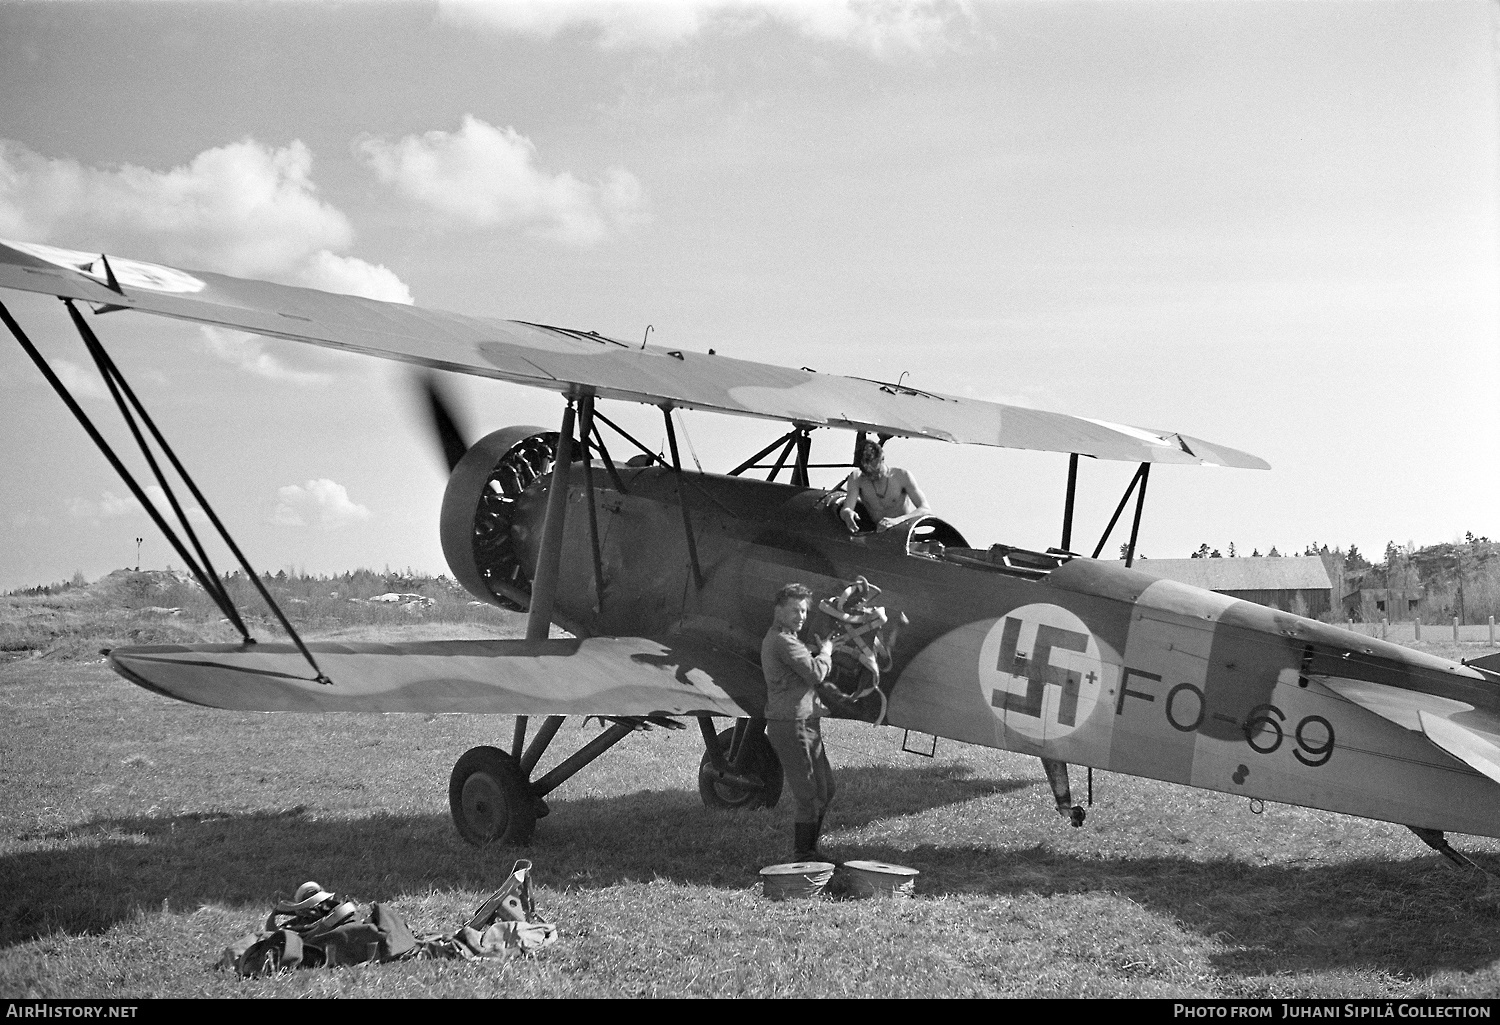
1067,533
1140,501
1135,525
751,463
628,437
687,521
804,451
791,443
120,389
609,464
544,587
585,427
798,440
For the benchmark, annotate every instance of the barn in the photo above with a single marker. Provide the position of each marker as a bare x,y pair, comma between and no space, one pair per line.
1299,585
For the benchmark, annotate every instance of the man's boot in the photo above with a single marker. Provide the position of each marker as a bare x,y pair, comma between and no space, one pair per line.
805,842
817,832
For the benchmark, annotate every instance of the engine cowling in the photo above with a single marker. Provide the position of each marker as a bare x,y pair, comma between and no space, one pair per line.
479,504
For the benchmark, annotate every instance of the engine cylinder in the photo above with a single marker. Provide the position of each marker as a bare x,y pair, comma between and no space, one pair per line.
478,506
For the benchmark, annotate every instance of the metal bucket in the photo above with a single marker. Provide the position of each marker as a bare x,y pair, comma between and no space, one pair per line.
795,879
877,879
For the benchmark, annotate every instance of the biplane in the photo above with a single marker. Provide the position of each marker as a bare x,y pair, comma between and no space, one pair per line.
665,578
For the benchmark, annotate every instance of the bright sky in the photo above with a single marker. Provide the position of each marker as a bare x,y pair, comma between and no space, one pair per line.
1272,226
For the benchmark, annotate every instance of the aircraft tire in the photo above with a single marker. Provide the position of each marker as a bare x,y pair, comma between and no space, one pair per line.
490,799
758,759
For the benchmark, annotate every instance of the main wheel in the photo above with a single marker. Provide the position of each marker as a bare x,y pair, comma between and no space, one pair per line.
757,759
490,799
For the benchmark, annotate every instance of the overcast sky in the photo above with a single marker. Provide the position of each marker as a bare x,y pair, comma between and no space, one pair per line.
1272,226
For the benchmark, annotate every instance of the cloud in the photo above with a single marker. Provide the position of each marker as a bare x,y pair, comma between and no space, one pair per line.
319,502
81,382
881,27
485,176
245,209
196,516
248,352
353,276
111,506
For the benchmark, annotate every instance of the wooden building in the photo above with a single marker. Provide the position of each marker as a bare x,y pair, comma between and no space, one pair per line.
1292,584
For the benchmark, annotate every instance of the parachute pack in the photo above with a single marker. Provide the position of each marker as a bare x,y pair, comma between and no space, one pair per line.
862,641
319,928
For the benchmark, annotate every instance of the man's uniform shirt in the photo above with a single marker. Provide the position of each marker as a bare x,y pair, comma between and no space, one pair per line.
792,676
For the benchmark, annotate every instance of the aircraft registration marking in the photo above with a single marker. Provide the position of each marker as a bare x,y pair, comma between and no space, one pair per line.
1265,728
1040,672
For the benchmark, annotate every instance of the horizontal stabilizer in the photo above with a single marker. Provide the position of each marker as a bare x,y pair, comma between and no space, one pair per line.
1477,752
1402,707
596,676
1488,663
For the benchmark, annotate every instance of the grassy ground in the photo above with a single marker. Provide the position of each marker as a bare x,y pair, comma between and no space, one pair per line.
139,836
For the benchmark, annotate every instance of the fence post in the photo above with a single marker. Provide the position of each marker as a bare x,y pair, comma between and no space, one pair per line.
1384,622
1492,631
1455,629
1416,625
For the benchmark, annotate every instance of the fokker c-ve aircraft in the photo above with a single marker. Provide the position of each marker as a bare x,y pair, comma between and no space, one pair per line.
665,578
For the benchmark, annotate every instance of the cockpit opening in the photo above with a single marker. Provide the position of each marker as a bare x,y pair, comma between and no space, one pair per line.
932,538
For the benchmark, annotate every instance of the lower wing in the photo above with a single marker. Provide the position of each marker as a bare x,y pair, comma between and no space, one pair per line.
596,676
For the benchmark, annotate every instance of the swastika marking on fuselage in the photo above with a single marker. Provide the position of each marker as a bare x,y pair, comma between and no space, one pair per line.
1040,670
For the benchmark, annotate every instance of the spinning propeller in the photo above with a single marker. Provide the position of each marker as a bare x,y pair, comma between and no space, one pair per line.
442,418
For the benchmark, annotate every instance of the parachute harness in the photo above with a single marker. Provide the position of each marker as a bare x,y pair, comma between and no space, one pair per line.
859,626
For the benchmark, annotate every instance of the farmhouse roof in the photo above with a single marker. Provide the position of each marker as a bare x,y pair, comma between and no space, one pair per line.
1249,574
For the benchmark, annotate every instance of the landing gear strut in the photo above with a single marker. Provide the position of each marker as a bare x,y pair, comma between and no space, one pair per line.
739,767
491,795
1057,778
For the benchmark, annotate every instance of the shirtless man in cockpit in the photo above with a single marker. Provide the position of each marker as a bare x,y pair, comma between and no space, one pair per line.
889,493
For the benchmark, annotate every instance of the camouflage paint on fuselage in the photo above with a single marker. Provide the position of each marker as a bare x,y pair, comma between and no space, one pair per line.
1090,664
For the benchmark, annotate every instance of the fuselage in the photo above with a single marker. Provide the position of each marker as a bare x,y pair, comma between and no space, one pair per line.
1065,658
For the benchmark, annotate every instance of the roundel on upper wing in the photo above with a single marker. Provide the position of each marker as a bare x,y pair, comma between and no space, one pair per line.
133,273
1040,671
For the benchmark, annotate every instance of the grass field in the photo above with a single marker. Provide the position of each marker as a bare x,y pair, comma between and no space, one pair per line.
140,836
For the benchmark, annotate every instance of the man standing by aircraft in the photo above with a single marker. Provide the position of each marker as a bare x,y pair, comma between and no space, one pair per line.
793,710
888,493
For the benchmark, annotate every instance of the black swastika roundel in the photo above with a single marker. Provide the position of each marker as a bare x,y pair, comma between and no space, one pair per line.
1039,671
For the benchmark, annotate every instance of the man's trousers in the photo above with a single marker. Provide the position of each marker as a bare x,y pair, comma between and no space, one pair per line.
804,763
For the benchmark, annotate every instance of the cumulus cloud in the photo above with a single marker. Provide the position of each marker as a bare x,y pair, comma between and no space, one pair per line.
248,352
353,276
111,506
485,176
246,209
196,516
881,27
83,383
321,502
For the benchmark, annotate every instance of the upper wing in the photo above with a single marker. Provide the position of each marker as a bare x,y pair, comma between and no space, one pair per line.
563,360
597,676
